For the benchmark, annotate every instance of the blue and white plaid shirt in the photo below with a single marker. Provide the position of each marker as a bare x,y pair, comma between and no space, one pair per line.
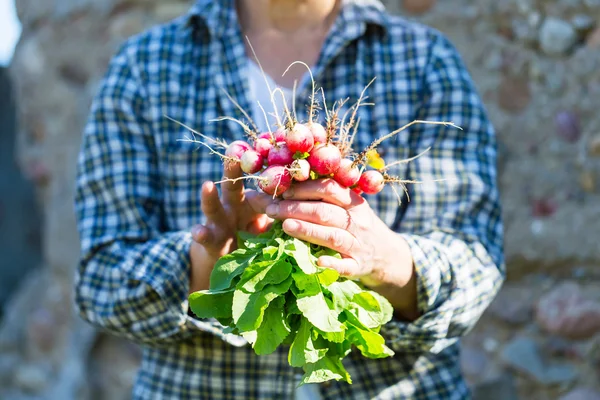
138,192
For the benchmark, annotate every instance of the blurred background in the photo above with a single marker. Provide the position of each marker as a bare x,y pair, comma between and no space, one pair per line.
536,64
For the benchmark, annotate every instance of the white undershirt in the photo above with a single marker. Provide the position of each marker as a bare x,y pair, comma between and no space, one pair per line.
260,94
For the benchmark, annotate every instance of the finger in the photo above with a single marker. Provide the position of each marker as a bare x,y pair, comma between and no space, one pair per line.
259,225
336,239
316,212
233,192
347,267
258,201
210,202
201,234
326,190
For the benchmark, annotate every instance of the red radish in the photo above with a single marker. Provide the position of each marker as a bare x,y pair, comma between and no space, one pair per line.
357,190
251,162
300,170
371,182
325,159
280,154
299,138
318,131
262,146
237,148
280,135
276,180
347,175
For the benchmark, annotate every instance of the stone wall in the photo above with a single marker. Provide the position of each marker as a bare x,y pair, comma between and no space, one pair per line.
536,66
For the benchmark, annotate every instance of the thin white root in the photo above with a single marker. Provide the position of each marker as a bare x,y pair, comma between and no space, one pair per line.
355,107
312,79
244,113
324,104
294,100
285,107
251,134
218,142
267,121
377,142
406,161
351,140
213,151
277,187
234,180
266,81
398,194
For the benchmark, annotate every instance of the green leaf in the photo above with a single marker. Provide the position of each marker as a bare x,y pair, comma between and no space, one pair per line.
334,337
211,304
327,276
340,349
299,155
307,284
370,344
273,330
343,293
326,251
290,304
313,175
246,240
258,275
327,368
249,336
303,349
301,253
248,308
372,310
229,267
317,311
270,252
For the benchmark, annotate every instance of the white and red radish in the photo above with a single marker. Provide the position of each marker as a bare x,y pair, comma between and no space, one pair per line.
347,174
275,180
279,135
262,146
318,132
325,159
371,182
280,154
299,139
237,148
251,162
300,170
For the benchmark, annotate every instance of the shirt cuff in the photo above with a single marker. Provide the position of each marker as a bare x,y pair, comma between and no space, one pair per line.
430,332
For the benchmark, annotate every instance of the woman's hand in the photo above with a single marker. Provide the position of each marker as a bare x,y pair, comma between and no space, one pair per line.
324,213
238,209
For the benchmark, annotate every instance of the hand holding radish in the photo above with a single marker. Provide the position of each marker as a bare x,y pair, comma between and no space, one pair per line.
237,210
277,289
330,215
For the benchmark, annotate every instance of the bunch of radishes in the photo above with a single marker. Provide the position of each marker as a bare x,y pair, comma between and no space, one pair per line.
298,151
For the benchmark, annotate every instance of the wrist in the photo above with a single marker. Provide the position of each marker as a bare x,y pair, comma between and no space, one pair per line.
394,276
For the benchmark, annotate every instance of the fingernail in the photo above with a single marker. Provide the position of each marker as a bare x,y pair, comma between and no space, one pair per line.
288,194
196,232
291,225
273,210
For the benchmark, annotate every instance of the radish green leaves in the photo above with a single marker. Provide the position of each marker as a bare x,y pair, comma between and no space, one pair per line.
271,291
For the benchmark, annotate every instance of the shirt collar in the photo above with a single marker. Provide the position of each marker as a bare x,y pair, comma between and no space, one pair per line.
220,17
